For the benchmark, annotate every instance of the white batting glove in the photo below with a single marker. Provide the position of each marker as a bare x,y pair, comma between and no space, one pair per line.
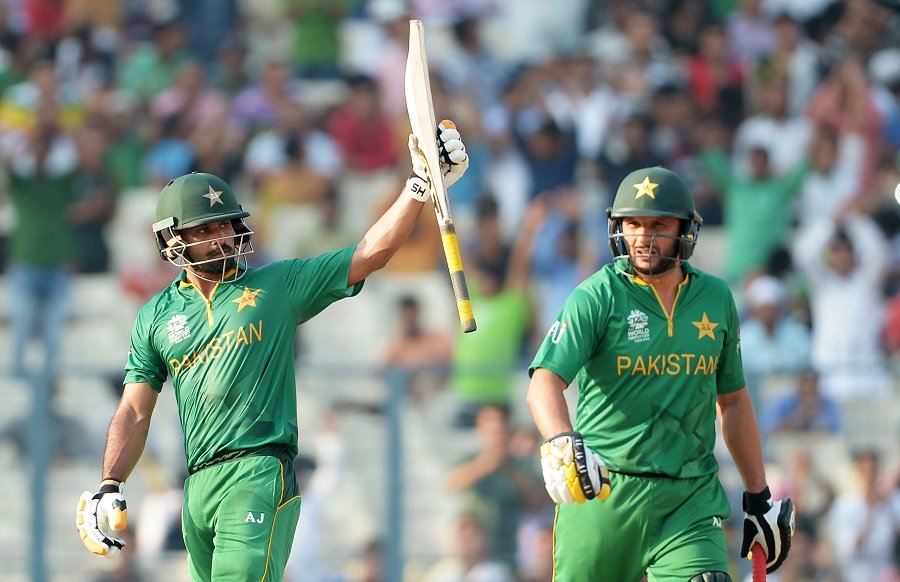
98,518
572,472
454,159
770,524
419,184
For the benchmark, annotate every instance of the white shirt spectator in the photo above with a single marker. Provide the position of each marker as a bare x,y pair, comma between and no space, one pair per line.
847,311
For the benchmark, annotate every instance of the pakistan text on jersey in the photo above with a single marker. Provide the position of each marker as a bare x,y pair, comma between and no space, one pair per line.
666,365
226,342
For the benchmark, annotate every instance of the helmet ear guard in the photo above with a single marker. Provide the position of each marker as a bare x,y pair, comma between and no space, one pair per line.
689,236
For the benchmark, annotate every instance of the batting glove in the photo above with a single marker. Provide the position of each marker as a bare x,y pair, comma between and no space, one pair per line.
573,473
419,184
770,524
100,516
454,159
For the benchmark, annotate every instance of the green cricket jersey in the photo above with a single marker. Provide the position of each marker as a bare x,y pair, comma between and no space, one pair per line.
647,380
231,359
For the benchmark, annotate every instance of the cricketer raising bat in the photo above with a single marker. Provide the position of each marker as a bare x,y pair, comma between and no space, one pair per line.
421,118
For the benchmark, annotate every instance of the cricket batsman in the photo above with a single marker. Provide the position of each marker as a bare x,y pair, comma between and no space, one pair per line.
223,332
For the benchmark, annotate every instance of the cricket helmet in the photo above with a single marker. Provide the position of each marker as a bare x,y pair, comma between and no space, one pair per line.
193,200
654,191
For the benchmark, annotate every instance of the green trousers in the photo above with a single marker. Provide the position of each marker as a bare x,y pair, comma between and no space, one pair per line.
670,529
239,519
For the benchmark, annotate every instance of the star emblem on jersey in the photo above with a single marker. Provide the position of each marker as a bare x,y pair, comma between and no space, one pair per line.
706,327
646,188
247,298
215,197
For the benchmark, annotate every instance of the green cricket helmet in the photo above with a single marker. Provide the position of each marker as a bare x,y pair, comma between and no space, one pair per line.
193,200
654,191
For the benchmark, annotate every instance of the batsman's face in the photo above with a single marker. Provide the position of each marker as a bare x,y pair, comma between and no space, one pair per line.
211,246
652,242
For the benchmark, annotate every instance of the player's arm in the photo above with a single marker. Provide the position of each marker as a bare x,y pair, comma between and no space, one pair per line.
384,238
741,434
548,403
572,472
101,516
128,431
766,522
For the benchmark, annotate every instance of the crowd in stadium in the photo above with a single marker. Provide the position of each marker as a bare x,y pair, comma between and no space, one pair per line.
782,115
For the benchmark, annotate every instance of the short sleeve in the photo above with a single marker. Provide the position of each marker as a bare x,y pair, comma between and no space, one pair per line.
730,371
317,282
572,339
144,362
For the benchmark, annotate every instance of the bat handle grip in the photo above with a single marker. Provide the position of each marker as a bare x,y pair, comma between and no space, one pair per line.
758,559
457,277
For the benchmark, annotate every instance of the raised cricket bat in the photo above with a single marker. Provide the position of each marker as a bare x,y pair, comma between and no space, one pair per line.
421,117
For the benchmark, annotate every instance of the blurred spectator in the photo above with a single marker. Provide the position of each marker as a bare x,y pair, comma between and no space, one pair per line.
836,161
293,141
209,24
127,141
844,262
563,254
154,65
772,127
795,56
628,149
389,68
716,78
884,70
317,479
772,341
550,156
229,72
360,117
804,480
288,197
423,354
806,410
41,166
169,153
750,32
316,50
93,204
190,97
845,102
322,230
473,69
484,363
472,559
499,487
864,521
757,215
259,105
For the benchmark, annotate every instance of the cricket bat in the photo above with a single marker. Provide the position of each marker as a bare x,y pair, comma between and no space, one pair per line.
421,118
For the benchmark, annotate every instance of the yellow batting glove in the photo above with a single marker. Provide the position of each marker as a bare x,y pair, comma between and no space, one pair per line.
99,516
572,472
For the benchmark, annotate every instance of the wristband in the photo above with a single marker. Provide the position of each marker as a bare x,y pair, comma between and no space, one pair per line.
757,503
418,188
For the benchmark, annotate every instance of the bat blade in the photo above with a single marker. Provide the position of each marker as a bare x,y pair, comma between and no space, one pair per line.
417,86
